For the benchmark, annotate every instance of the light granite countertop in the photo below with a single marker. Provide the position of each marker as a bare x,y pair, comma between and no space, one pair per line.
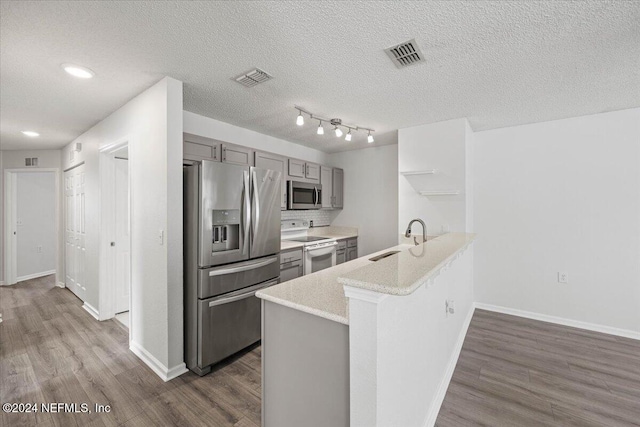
286,245
322,293
403,273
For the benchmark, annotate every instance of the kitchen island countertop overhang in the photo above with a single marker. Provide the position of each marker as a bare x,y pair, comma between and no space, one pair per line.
322,293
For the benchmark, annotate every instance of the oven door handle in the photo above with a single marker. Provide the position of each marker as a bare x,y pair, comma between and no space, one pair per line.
329,245
244,295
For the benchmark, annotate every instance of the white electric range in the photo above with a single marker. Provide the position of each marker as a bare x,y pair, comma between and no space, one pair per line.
319,252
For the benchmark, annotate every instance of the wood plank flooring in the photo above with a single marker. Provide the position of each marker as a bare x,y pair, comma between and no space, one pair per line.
511,372
51,350
520,372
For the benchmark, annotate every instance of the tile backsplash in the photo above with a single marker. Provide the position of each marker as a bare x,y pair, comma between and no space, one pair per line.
319,217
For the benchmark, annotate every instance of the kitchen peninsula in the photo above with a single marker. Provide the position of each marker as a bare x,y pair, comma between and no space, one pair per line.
357,343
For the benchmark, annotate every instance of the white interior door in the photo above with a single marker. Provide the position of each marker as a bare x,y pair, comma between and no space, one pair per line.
69,230
75,248
122,238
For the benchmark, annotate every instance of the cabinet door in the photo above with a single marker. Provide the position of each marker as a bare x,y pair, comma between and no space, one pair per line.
352,253
290,270
237,155
276,163
326,179
312,171
200,148
296,168
338,188
341,256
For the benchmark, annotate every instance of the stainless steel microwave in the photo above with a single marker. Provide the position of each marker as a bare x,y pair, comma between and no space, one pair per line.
304,195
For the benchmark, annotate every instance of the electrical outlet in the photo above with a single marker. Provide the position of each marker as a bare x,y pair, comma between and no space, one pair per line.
449,307
161,237
563,277
39,249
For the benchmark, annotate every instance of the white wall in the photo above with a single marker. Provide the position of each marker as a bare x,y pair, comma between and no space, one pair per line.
440,146
204,126
370,195
152,123
37,237
14,159
561,196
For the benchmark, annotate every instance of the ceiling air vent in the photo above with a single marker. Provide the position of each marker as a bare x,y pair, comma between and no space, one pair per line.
405,54
253,77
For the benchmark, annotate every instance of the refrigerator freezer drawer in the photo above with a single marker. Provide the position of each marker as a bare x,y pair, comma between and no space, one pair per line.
229,323
228,278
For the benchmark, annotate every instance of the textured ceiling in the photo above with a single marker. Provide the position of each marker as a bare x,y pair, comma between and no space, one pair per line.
496,63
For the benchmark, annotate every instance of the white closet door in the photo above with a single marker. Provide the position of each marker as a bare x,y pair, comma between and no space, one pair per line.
70,214
75,231
80,248
122,237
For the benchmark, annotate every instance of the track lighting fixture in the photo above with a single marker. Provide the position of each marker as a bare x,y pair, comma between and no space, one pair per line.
336,123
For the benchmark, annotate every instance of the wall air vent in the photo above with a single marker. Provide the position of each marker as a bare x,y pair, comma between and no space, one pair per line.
31,161
253,77
405,54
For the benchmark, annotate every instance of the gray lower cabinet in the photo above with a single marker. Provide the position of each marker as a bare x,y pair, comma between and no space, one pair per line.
277,163
291,264
352,249
305,366
338,188
341,251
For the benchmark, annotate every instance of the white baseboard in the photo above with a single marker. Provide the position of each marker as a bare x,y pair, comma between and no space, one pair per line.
61,285
91,310
1,282
156,366
35,275
432,416
561,321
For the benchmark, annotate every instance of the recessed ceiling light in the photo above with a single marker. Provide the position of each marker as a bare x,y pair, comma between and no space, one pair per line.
30,133
78,71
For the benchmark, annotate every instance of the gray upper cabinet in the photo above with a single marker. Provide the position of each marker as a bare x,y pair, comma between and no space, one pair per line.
276,163
338,188
326,179
200,148
307,171
237,155
312,171
297,168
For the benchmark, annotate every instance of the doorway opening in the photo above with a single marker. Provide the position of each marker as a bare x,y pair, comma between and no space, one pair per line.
115,287
32,231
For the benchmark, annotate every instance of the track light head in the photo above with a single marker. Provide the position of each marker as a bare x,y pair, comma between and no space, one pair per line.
348,137
300,119
370,138
338,132
320,129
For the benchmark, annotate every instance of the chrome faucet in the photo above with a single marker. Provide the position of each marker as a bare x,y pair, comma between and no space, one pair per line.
424,230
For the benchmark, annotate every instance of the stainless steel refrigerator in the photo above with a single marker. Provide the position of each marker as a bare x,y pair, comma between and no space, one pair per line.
231,247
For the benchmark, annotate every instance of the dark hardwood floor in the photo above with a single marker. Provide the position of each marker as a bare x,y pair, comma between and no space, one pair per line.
519,372
511,372
51,350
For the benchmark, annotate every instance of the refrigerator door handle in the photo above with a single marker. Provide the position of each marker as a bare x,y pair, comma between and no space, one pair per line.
248,293
249,266
246,214
256,198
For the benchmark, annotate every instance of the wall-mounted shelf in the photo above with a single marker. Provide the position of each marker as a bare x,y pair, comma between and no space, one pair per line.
439,193
424,172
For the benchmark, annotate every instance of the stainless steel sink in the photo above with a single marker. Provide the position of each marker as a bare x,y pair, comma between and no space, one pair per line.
384,255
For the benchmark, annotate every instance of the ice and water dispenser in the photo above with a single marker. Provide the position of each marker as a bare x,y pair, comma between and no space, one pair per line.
226,230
